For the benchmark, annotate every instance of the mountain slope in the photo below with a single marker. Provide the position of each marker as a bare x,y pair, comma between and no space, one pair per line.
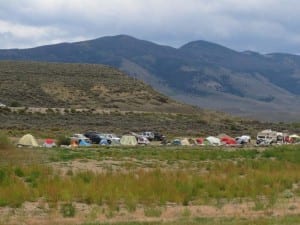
200,72
88,86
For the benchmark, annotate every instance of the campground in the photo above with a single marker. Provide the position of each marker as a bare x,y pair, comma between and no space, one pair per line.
150,185
141,185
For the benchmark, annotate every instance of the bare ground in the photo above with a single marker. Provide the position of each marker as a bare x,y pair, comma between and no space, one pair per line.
34,213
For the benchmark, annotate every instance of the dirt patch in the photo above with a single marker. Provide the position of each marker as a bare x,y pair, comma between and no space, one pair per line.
43,213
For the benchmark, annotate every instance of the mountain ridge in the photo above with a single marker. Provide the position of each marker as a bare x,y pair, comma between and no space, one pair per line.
203,73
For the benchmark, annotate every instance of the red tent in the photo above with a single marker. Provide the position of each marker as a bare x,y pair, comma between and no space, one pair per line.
49,141
228,141
199,141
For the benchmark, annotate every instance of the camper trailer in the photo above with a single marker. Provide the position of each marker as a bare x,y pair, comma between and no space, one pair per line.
268,137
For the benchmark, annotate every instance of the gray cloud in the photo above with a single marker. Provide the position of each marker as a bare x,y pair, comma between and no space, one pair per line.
265,26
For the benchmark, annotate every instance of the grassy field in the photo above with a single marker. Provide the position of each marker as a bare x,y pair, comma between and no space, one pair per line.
149,185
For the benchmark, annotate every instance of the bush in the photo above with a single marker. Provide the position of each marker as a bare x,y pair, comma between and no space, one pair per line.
15,104
63,140
152,212
19,172
4,141
67,210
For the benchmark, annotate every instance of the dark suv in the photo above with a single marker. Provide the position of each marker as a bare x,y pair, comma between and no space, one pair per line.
94,136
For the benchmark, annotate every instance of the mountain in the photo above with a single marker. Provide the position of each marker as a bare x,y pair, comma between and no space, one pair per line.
80,86
263,86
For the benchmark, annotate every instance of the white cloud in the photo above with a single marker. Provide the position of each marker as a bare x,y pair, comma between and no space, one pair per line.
268,25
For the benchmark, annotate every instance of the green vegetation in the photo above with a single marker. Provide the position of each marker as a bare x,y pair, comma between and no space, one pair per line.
4,141
49,124
113,181
203,178
68,210
290,220
48,85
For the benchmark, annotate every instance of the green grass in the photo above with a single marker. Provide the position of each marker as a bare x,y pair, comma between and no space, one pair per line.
151,178
174,153
234,175
289,220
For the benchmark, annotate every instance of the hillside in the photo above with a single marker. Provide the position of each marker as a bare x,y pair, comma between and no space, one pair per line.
59,98
263,86
32,84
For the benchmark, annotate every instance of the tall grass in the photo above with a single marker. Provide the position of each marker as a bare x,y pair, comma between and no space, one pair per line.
4,142
249,180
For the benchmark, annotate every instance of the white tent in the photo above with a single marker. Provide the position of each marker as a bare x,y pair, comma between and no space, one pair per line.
185,141
243,139
213,140
128,140
28,140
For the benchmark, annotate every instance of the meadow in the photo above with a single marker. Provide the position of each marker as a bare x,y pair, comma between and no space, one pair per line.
149,185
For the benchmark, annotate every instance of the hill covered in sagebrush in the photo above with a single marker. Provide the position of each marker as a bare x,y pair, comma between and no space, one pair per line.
54,85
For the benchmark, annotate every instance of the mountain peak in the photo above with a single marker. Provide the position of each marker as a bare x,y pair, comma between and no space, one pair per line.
205,45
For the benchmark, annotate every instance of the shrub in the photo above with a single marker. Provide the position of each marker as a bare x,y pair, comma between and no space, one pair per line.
152,212
19,172
4,141
50,110
15,104
63,140
67,210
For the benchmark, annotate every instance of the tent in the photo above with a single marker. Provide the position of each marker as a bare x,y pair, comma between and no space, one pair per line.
176,142
83,143
49,143
185,141
192,141
220,136
213,141
199,141
244,139
128,140
228,140
115,142
28,140
103,141
294,138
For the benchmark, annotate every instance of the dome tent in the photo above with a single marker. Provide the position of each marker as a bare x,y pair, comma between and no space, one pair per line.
129,140
27,141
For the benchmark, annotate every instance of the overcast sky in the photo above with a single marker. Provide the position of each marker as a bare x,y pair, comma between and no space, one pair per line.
258,25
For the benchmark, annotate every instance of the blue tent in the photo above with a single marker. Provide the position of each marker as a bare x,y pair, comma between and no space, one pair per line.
176,142
84,143
104,141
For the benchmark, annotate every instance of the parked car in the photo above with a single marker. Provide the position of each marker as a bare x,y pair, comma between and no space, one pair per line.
94,136
149,135
97,138
159,137
88,134
142,140
111,137
78,137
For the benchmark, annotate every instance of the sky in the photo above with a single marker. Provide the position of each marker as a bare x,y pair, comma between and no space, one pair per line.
259,25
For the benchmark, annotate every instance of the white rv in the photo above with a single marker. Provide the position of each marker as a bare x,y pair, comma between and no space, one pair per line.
267,137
